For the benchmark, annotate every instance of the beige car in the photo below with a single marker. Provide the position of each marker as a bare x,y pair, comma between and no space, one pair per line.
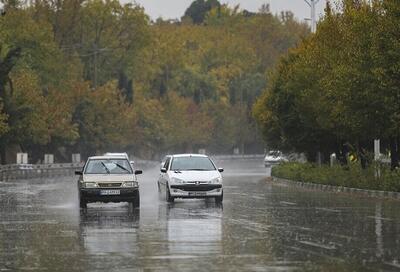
108,178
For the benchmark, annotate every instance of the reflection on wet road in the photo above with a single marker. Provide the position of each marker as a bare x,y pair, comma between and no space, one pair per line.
259,227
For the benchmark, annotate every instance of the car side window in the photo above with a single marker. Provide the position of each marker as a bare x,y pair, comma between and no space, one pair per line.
166,164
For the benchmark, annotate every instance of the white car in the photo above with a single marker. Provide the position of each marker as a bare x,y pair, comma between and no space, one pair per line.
125,155
108,178
190,176
274,158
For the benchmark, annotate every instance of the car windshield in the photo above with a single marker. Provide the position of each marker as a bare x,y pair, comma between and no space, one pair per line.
192,164
274,153
108,166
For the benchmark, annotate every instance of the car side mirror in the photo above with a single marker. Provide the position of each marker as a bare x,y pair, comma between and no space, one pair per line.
78,173
132,162
138,172
220,170
163,170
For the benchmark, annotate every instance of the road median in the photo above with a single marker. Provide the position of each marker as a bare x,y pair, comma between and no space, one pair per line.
338,179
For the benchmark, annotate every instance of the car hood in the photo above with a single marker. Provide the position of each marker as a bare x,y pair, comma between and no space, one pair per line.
195,175
108,178
272,158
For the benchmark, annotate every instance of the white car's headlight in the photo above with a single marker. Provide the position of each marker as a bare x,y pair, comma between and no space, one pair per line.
176,180
90,185
130,184
216,180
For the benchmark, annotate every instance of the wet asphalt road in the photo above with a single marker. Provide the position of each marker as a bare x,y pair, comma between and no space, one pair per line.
260,227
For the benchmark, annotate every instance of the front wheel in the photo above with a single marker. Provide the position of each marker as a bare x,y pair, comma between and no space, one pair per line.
82,203
219,199
136,200
168,195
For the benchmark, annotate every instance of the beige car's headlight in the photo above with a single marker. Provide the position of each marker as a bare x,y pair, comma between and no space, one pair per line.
130,184
90,185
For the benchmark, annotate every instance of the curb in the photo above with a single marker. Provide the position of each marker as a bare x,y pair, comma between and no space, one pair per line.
339,189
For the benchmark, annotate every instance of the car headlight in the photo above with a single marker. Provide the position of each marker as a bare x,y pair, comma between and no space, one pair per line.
176,180
130,184
216,180
90,185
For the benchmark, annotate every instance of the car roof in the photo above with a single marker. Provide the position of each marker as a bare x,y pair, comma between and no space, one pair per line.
115,154
189,155
107,157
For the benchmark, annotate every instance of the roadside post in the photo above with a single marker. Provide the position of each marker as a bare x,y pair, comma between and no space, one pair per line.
377,155
333,159
22,158
48,158
76,158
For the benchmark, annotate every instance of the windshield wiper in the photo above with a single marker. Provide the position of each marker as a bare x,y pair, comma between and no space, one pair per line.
105,167
123,168
194,169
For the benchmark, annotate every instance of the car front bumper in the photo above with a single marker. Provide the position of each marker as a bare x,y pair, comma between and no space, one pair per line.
95,195
196,191
271,163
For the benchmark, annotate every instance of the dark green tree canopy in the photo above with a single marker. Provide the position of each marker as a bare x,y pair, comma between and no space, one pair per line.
198,9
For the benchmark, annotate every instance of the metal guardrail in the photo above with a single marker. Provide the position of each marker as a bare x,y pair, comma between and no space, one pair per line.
234,157
9,167
30,171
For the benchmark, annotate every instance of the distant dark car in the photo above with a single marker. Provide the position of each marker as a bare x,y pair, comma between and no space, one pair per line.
108,179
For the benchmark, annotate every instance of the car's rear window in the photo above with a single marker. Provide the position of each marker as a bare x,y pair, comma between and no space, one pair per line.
108,166
192,164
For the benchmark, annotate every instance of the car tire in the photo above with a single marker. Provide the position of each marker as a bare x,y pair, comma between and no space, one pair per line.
136,201
219,199
168,196
82,203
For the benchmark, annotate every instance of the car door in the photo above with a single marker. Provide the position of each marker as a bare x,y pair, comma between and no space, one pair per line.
163,179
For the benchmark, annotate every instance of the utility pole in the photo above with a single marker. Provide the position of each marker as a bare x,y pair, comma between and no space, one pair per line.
312,4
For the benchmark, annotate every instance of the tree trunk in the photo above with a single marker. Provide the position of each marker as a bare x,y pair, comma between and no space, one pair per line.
3,154
363,156
394,152
341,154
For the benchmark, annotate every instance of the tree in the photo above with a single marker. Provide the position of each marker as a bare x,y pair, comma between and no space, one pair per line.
112,38
104,119
337,89
198,10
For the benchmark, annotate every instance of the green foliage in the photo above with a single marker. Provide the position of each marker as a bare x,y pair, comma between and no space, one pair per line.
352,176
27,110
339,85
105,120
96,75
198,10
3,122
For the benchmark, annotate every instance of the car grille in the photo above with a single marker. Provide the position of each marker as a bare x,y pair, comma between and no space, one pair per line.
110,185
200,187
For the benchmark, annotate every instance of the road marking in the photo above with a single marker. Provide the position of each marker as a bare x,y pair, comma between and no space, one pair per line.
287,203
393,264
328,210
317,245
379,218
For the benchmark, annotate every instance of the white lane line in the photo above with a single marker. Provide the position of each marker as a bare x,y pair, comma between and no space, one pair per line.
379,218
318,245
328,210
287,203
393,264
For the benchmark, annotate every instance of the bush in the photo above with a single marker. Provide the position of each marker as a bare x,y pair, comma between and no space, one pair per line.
349,176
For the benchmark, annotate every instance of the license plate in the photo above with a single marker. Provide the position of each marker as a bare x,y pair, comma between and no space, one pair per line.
110,192
197,194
